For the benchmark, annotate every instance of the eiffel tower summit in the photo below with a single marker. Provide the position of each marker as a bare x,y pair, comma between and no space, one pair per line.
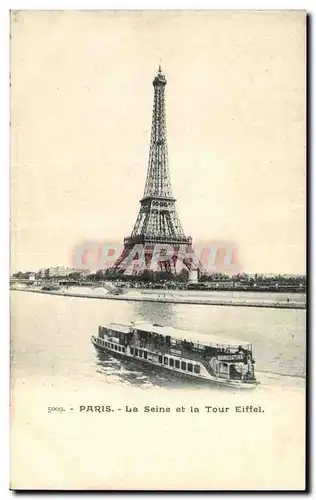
157,241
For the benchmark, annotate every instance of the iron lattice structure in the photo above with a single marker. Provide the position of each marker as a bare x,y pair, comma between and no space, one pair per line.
157,222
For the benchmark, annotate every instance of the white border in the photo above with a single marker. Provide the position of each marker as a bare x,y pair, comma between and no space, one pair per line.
161,5
5,6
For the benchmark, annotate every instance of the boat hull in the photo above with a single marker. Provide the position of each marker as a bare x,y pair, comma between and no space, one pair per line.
215,381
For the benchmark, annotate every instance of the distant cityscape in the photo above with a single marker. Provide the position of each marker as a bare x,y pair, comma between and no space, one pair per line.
158,223
164,279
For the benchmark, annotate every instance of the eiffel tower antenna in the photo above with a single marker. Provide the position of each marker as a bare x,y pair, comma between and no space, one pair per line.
157,222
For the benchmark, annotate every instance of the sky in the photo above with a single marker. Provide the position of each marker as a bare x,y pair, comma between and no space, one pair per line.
81,106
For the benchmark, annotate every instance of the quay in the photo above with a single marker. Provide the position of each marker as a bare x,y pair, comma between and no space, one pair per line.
169,299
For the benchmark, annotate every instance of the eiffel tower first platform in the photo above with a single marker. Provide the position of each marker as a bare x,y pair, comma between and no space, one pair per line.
157,239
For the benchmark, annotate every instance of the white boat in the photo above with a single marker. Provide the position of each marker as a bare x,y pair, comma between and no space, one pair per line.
180,351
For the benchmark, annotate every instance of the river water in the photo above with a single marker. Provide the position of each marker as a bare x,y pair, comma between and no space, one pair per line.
51,336
54,364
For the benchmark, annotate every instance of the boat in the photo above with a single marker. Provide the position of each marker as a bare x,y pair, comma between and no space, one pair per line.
181,352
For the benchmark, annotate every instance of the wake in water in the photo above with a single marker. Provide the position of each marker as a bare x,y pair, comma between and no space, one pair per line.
129,372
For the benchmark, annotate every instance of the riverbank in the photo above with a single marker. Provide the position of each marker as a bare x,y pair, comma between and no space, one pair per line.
167,298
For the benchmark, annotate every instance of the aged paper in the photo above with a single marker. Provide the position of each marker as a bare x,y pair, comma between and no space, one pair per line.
81,116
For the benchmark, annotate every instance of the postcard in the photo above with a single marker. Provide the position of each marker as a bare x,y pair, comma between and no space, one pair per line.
158,250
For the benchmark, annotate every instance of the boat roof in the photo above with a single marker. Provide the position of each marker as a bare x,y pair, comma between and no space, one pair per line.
189,335
118,327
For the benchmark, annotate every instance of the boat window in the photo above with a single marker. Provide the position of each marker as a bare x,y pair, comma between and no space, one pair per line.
119,348
115,347
123,349
132,350
160,359
196,368
165,360
112,346
183,365
177,363
171,362
145,354
140,354
136,352
190,367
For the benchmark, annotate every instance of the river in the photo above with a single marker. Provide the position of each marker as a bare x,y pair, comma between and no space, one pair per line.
51,334
54,364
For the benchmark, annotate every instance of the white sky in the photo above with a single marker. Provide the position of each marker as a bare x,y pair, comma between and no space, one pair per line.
81,115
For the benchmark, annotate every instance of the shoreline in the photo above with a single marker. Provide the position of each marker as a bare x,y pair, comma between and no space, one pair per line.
172,300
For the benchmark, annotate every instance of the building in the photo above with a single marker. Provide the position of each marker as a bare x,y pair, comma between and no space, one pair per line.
41,273
193,276
60,272
64,272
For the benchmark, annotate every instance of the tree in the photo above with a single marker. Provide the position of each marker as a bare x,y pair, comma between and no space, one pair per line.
99,275
148,275
74,276
184,275
19,274
164,276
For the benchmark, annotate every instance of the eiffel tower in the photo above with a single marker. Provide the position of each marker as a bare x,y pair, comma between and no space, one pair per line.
157,224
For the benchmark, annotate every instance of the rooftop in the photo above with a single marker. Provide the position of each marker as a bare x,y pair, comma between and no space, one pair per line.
118,327
202,338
